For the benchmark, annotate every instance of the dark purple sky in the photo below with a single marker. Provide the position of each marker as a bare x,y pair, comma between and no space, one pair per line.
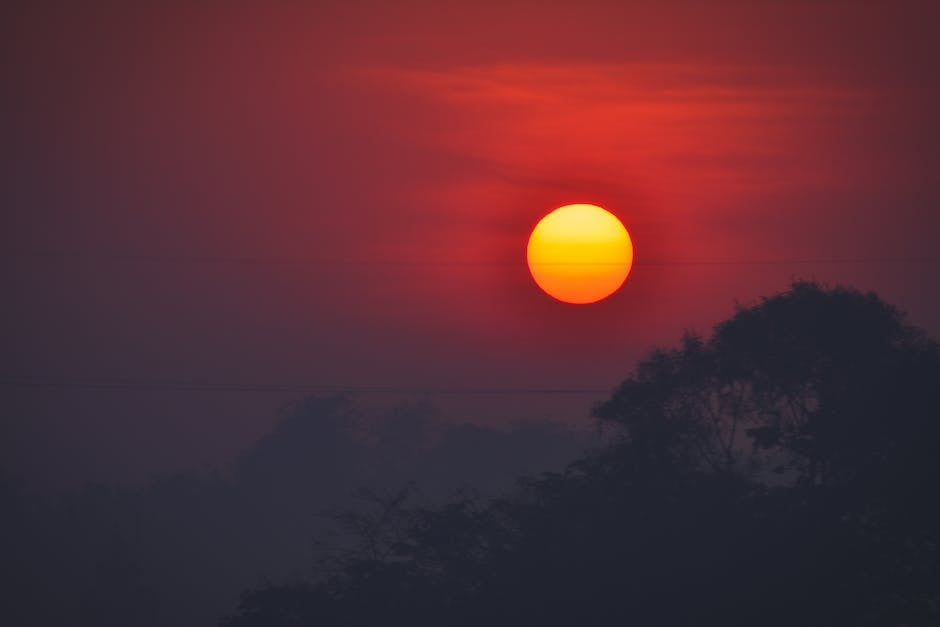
339,195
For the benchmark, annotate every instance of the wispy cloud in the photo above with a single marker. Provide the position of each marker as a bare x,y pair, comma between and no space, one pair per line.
673,127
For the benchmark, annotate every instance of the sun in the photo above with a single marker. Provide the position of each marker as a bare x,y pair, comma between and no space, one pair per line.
579,253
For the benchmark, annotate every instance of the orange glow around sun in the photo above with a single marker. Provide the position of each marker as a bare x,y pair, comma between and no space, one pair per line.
580,253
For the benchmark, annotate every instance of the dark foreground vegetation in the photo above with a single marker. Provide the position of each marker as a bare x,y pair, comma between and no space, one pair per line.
783,472
178,550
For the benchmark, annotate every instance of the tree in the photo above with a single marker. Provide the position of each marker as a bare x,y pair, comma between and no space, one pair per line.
779,472
815,384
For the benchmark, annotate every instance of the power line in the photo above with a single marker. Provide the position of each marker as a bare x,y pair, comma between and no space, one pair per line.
204,386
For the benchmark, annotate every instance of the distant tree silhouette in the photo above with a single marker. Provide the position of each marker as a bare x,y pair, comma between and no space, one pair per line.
178,550
782,471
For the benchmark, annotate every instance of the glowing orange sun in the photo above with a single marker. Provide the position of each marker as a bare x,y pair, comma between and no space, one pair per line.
579,253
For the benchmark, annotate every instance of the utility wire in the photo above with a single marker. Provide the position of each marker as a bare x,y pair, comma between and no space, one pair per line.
203,386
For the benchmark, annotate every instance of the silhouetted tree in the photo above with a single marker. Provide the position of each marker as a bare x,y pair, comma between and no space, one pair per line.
780,472
815,384
177,550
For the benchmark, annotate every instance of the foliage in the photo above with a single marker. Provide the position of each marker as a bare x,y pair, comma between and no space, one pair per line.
781,472
178,550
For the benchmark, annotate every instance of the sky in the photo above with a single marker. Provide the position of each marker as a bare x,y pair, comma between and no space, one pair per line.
212,208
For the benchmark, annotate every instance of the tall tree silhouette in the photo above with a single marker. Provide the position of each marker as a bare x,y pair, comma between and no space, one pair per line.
833,393
819,384
779,472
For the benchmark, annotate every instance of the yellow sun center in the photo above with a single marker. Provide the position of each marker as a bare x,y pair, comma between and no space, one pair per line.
579,253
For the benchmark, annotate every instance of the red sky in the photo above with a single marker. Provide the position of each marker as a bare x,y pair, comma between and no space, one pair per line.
339,194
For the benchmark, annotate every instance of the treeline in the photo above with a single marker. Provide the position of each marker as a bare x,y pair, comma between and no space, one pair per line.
179,550
783,471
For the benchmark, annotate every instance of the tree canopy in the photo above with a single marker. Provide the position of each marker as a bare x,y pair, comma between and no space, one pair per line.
781,471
